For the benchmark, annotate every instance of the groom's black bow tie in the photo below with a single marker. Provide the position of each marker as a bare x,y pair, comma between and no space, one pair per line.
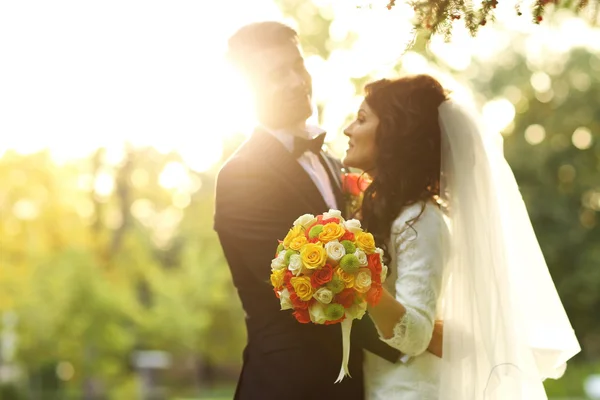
303,145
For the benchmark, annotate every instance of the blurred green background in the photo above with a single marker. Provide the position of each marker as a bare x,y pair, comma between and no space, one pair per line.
112,281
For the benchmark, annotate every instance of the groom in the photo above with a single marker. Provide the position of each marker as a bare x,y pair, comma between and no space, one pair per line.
277,175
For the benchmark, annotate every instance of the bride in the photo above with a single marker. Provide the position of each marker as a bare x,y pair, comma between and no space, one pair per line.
445,206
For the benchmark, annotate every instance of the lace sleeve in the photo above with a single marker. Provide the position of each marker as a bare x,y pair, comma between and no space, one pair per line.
419,259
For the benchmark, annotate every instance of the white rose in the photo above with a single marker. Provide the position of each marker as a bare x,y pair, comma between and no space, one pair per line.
384,272
323,295
317,313
363,280
333,214
335,251
356,311
362,257
353,225
295,264
305,220
284,300
279,261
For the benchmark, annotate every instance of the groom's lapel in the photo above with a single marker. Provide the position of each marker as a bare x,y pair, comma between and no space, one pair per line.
295,177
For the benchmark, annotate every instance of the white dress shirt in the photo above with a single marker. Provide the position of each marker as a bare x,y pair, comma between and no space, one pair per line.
309,160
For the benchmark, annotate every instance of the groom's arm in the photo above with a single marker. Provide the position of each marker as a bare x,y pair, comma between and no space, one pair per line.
245,216
367,334
368,337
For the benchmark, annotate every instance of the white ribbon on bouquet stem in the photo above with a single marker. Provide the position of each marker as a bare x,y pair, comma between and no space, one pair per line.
346,328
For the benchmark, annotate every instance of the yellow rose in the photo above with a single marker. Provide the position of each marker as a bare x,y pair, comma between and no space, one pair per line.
348,279
365,242
298,242
313,255
292,234
331,231
277,278
302,287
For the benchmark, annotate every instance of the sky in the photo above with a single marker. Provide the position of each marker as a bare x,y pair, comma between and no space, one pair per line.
77,75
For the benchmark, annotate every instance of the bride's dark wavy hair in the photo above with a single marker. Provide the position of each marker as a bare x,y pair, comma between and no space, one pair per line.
408,149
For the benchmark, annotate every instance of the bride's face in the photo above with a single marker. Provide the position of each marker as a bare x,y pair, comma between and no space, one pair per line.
361,144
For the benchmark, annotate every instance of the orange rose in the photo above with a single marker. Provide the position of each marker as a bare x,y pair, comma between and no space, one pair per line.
354,184
302,316
374,294
345,298
321,276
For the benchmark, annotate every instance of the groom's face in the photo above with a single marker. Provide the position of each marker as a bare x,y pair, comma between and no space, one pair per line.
282,86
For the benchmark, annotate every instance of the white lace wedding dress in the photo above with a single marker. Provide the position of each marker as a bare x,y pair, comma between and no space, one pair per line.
500,342
417,263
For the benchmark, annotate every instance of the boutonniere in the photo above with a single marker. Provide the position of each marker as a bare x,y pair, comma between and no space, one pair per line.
353,187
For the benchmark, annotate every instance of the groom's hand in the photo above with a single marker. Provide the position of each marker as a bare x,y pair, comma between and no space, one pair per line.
437,339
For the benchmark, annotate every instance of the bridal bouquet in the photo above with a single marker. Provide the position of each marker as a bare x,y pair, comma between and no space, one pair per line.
327,270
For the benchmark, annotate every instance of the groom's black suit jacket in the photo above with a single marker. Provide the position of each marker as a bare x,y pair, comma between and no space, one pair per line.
261,190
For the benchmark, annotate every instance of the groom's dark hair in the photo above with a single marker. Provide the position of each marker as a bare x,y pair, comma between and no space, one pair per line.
255,37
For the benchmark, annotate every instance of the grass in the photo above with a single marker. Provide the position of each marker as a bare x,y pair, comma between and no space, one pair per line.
569,387
221,393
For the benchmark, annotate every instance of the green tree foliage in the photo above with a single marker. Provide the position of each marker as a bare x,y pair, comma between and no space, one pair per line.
554,150
440,16
99,260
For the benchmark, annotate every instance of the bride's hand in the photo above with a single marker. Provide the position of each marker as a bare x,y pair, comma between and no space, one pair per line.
437,339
